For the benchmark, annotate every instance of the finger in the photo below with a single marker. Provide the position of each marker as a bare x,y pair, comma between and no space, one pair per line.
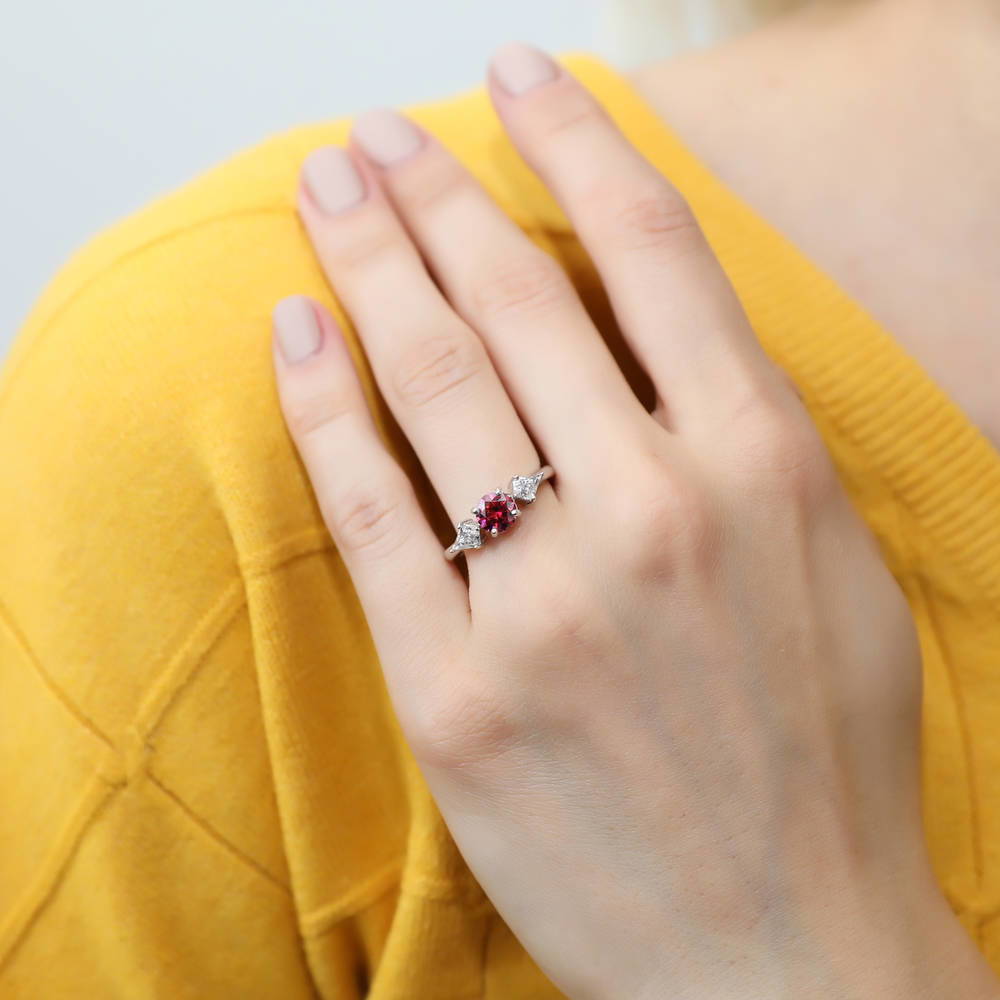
553,361
432,369
366,499
671,296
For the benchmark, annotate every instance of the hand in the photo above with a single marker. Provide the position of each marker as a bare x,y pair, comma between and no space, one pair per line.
672,718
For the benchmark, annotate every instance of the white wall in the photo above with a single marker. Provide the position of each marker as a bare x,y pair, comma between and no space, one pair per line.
106,103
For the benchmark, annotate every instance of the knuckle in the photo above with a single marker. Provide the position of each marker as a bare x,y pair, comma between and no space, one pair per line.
650,215
367,520
435,366
363,243
781,453
433,182
307,413
653,219
466,725
665,519
531,282
559,614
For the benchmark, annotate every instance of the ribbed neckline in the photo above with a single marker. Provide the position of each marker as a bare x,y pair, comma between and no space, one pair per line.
928,452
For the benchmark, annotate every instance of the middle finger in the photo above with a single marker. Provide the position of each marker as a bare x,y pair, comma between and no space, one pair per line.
552,359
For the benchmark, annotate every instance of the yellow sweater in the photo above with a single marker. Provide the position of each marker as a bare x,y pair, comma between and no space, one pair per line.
203,789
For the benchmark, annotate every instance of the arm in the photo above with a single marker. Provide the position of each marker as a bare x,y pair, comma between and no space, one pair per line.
672,717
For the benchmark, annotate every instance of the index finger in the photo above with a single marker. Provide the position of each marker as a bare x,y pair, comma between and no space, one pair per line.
672,299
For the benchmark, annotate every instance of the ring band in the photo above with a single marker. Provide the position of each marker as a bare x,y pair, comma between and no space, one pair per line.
496,512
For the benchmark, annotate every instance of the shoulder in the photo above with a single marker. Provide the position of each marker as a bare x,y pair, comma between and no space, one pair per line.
160,294
162,307
148,473
258,184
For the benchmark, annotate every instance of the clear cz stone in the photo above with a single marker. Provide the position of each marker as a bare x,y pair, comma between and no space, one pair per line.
525,487
468,536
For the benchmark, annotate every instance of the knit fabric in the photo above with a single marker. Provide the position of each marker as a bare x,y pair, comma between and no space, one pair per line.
204,791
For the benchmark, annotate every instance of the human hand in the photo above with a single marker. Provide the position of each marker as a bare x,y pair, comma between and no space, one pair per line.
672,718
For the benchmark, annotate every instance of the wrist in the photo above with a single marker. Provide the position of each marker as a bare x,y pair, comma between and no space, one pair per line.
901,944
944,960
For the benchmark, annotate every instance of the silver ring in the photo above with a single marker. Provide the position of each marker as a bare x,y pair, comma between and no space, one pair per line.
496,512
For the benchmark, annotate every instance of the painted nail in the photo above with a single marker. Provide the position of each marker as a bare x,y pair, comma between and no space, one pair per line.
519,67
386,136
332,179
296,328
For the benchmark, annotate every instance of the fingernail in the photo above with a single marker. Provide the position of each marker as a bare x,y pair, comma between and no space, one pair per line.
297,329
386,136
519,67
332,179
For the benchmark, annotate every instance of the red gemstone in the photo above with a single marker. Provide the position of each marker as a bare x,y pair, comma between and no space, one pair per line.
496,510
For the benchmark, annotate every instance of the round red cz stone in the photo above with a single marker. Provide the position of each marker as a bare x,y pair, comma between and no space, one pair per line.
496,510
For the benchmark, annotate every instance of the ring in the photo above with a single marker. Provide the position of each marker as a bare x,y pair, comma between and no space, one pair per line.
496,512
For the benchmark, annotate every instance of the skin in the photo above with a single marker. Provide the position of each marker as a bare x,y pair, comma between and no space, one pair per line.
680,752
868,131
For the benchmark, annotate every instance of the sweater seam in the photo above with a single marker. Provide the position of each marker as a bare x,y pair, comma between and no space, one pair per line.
120,767
390,877
219,838
50,683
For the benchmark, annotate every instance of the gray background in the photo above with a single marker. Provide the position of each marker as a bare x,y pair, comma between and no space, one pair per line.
108,103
